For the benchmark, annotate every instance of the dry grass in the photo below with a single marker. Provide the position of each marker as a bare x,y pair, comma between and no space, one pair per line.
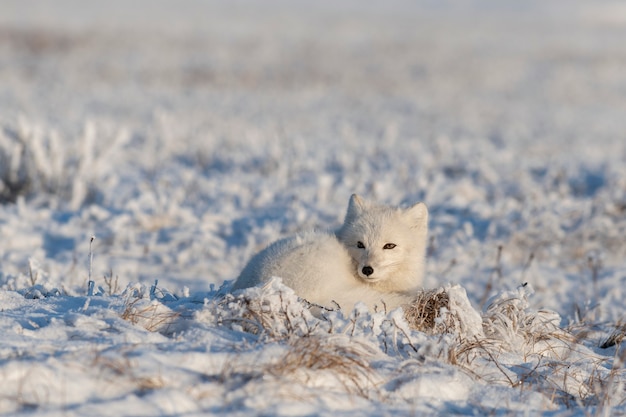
121,366
616,337
345,360
297,369
444,311
112,283
153,316
428,313
313,352
574,381
515,345
527,349
273,314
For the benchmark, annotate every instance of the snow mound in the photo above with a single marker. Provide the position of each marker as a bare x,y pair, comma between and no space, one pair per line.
272,310
209,349
509,343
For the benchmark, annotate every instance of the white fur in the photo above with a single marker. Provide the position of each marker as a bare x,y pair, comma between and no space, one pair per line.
327,268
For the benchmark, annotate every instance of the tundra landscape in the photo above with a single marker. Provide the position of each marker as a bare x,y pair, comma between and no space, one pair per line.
149,149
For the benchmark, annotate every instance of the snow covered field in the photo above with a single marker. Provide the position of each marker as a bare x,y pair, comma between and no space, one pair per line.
185,136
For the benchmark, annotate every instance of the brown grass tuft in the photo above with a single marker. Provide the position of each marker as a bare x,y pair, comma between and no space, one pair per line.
616,337
428,312
154,316
122,366
344,359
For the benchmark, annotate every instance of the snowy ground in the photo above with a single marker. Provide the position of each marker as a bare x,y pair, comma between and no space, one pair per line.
187,135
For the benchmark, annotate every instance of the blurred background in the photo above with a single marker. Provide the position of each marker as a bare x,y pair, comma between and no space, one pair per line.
187,135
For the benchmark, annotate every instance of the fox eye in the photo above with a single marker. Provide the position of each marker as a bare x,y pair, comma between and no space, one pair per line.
389,246
360,245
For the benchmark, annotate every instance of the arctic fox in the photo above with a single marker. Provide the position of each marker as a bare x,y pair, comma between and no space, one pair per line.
376,257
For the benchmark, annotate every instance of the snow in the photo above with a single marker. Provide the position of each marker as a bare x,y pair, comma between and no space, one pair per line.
186,137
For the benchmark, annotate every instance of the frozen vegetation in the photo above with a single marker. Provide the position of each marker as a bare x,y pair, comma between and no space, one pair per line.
185,136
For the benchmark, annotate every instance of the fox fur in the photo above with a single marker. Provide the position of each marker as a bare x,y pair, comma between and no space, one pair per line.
375,257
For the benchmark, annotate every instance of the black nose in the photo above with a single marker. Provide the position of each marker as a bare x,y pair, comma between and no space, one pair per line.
367,270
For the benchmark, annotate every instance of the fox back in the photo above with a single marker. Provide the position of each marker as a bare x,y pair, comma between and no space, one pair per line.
387,244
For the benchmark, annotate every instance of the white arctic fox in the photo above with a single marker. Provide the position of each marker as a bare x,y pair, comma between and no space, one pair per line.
376,257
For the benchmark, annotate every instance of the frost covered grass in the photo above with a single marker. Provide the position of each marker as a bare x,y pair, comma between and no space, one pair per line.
508,343
222,351
38,164
185,138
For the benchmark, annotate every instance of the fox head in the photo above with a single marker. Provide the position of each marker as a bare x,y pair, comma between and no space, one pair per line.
387,244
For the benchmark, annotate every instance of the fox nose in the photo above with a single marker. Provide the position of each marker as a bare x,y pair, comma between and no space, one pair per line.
367,270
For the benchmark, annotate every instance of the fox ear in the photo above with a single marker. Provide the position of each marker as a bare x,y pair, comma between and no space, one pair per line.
355,206
418,216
